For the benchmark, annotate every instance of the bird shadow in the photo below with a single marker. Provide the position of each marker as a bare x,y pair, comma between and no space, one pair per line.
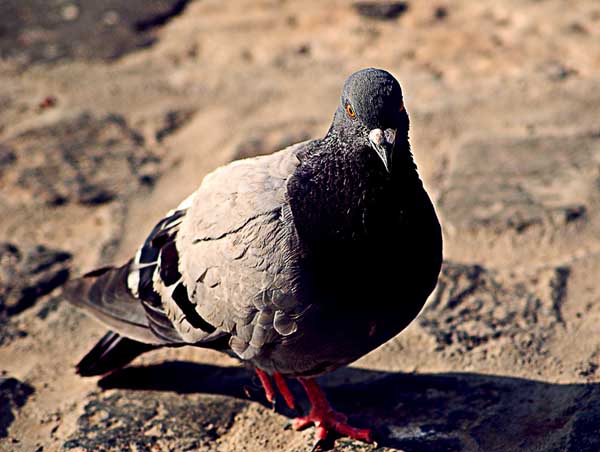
415,412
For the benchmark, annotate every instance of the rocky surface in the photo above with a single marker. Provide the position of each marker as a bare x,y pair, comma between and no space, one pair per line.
42,32
25,277
13,395
111,112
475,308
82,159
134,419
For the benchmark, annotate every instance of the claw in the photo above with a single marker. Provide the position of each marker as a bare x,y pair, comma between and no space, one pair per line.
325,418
320,444
300,423
327,421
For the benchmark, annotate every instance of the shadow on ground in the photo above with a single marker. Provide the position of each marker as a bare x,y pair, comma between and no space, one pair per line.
412,412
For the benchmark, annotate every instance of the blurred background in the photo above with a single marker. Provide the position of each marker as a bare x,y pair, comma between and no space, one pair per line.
112,111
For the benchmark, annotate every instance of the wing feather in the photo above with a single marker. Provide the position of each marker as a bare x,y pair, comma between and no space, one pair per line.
237,248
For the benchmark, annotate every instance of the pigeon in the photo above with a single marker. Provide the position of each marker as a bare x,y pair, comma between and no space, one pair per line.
297,262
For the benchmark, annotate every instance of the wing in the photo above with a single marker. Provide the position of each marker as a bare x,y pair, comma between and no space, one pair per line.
124,298
237,249
218,268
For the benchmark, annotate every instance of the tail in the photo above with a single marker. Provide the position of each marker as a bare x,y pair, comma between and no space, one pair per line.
110,353
138,326
105,294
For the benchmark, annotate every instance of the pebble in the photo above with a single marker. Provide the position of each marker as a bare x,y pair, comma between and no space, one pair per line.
110,18
70,12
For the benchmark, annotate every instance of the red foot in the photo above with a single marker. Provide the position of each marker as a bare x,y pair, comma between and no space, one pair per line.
281,385
325,418
284,390
266,384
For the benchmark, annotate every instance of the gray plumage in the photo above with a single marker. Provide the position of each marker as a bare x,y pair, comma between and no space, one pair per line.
298,262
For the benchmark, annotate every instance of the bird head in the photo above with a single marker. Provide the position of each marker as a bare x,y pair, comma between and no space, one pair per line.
372,112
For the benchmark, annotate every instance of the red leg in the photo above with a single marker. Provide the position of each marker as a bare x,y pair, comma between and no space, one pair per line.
325,418
266,384
284,390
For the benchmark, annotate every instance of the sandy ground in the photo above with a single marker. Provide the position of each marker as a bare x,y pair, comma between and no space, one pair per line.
111,112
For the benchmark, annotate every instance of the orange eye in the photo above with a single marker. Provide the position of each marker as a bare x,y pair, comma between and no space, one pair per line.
401,106
350,111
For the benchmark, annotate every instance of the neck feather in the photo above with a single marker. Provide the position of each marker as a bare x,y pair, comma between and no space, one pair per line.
340,195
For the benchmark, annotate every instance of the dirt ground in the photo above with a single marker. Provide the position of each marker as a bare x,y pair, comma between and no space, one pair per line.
112,111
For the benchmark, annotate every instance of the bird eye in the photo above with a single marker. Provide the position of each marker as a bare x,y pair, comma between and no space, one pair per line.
401,107
350,111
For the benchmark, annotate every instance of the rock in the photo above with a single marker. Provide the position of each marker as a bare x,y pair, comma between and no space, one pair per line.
87,160
172,121
48,102
7,158
27,275
40,32
381,10
584,435
51,305
455,411
70,12
133,420
556,71
515,184
474,307
13,395
440,13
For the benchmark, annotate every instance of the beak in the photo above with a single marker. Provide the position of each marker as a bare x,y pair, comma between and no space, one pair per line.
383,143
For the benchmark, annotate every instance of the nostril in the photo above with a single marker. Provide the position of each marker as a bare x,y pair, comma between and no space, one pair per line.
390,135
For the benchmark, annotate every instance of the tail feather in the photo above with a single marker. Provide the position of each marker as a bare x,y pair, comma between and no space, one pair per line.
104,294
124,299
110,353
